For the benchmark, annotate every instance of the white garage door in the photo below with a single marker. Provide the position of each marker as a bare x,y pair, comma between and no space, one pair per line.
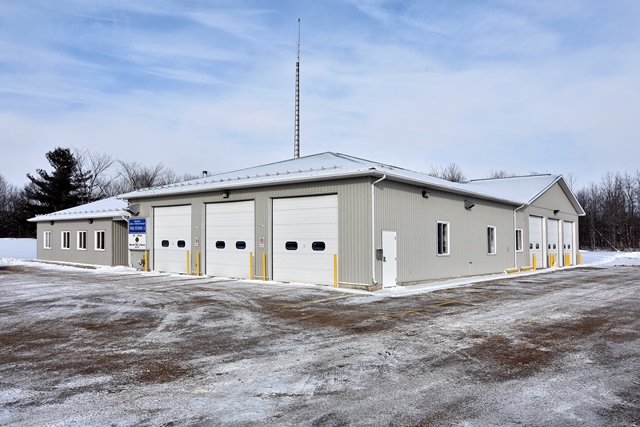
171,238
567,243
535,240
305,239
553,241
230,239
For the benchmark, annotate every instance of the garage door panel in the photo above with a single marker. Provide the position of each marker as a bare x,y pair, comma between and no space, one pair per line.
305,220
171,238
230,223
535,240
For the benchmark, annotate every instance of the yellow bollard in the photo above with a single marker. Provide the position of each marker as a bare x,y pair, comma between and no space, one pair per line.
264,266
567,260
197,263
146,261
579,258
335,270
552,260
250,265
534,262
188,264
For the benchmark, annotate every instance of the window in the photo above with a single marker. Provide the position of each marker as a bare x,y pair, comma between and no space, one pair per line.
491,239
65,239
164,243
318,246
99,240
291,246
182,244
47,240
220,244
82,240
443,238
241,245
519,246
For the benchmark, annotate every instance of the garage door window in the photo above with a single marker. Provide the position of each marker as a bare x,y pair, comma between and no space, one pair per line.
165,243
220,244
491,240
181,243
291,246
318,246
241,245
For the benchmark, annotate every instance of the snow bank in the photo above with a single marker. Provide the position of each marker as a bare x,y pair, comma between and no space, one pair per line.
17,249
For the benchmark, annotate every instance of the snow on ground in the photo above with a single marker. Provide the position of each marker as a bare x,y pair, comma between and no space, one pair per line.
13,251
17,249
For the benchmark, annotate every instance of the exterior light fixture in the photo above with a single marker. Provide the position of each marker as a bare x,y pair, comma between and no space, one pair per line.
90,220
468,205
51,222
556,212
425,194
225,194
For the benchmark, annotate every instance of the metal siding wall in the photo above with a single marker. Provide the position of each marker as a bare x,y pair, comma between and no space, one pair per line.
88,256
401,208
120,243
354,259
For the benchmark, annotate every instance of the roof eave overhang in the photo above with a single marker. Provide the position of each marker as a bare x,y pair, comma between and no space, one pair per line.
372,172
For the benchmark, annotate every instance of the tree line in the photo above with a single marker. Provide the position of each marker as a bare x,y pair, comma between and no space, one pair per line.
78,176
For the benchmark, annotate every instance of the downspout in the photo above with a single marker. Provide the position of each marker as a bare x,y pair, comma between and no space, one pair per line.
515,239
373,228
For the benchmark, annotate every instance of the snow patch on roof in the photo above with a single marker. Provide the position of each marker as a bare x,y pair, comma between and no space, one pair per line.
105,208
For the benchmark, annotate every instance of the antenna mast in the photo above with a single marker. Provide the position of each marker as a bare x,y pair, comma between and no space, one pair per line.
296,128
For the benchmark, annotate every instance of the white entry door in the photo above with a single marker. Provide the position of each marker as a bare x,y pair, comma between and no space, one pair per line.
389,259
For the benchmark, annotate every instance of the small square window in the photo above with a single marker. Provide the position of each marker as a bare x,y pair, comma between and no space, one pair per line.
443,238
65,240
491,240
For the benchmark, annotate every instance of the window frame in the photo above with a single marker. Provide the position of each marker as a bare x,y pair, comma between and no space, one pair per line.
492,240
97,240
521,241
81,243
65,243
47,240
443,250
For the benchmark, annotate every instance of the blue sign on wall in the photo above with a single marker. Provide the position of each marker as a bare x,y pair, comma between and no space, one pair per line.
138,225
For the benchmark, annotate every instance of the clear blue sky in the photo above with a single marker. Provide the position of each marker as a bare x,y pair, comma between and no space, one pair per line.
524,86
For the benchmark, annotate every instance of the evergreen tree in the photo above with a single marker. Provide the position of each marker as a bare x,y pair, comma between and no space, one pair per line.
58,190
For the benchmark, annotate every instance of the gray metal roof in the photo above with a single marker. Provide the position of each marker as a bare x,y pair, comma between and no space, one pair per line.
524,188
105,208
321,166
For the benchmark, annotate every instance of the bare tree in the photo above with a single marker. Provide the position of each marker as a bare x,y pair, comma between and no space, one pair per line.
94,166
500,174
134,176
452,172
571,179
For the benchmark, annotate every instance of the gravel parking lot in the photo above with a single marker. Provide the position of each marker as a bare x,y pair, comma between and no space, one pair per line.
121,348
